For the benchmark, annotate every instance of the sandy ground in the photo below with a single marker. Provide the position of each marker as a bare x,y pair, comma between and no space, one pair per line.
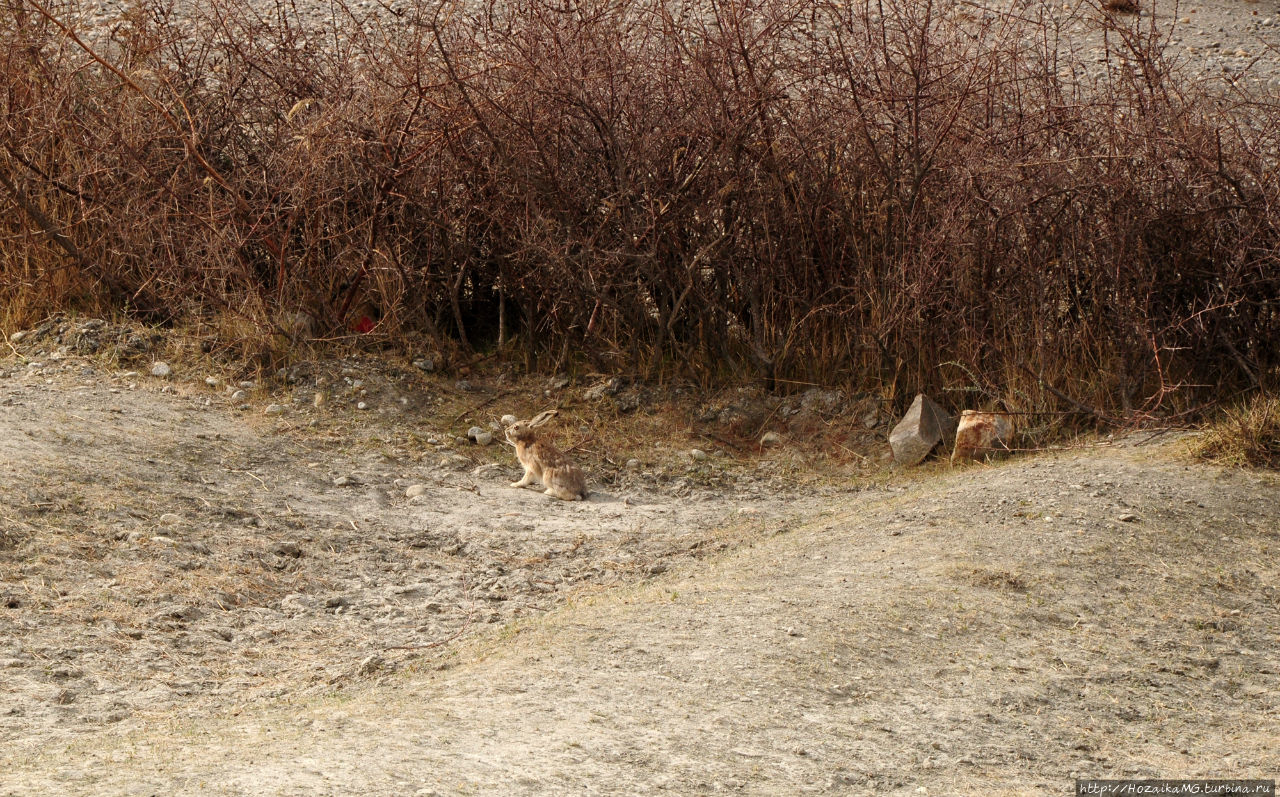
200,598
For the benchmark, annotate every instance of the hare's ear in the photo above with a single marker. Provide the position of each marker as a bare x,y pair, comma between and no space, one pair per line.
542,417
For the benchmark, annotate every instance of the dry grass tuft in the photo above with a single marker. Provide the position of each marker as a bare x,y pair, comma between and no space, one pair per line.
1247,435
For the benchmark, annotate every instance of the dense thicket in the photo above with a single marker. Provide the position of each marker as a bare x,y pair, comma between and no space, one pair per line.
906,195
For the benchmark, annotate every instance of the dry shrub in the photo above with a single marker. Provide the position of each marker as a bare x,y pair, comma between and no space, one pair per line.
813,192
1247,435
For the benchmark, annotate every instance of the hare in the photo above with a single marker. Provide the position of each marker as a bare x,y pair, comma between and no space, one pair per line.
544,462
980,433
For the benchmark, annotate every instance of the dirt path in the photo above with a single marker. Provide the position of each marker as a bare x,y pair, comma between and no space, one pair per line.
1106,612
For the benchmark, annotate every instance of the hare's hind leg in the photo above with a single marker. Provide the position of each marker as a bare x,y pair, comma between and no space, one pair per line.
561,493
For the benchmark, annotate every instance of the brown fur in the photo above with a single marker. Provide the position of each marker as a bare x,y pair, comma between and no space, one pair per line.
544,462
980,433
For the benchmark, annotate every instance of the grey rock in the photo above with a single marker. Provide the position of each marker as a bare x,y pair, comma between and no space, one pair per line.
816,399
161,370
507,420
415,490
923,427
360,405
177,611
456,462
293,603
212,381
600,390
274,409
489,471
238,396
290,549
697,454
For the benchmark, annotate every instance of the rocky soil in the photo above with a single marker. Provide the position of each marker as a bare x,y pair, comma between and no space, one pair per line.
1219,41
173,540
210,585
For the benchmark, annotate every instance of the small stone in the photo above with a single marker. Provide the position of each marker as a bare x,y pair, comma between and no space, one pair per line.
343,481
238,395
633,464
507,420
1127,517
212,381
290,549
170,519
274,409
608,387
698,454
456,462
362,405
18,336
415,490
769,439
161,370
248,384
425,364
